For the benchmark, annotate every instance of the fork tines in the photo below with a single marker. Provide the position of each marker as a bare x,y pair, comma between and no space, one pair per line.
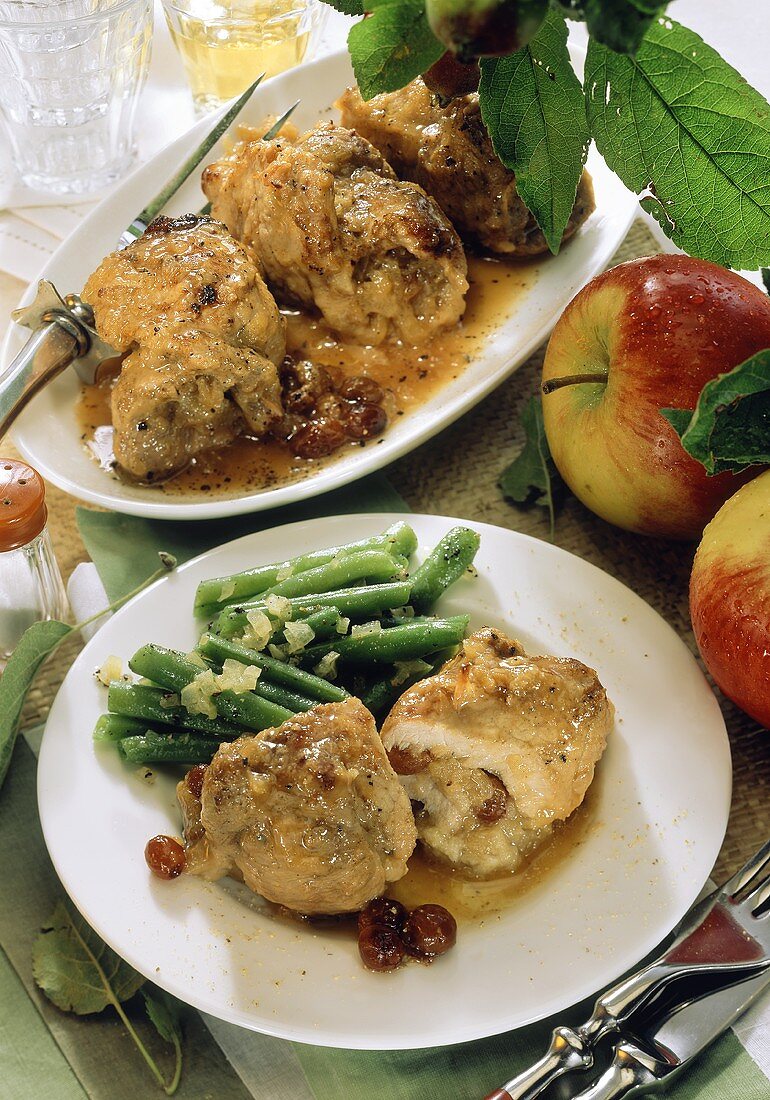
752,880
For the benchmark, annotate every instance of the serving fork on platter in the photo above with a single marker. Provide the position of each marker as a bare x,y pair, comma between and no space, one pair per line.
665,1013
63,330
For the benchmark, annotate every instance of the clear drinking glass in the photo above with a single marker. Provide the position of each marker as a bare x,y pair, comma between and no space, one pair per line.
70,76
226,44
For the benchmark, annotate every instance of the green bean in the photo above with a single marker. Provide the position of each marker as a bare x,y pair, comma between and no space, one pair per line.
380,695
397,643
174,671
113,727
372,565
399,539
443,566
139,701
285,697
323,621
165,748
296,679
355,603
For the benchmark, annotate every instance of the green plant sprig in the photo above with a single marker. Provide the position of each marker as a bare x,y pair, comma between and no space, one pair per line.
672,118
37,644
79,973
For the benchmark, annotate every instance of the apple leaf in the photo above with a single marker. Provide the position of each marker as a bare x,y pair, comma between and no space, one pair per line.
621,24
37,643
163,1011
679,419
765,273
532,477
730,427
681,126
81,974
392,46
78,971
532,105
347,7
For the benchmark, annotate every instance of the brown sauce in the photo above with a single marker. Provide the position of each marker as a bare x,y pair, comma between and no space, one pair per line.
411,376
471,900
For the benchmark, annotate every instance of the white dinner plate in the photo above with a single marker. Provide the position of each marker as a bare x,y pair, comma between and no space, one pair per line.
48,434
657,820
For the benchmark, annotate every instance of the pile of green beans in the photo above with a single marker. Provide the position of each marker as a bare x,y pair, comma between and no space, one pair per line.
371,634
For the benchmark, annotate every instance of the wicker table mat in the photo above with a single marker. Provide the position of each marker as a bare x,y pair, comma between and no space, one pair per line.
456,474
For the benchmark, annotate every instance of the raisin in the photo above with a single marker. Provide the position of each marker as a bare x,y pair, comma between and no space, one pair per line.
384,911
318,439
364,421
380,947
165,856
429,930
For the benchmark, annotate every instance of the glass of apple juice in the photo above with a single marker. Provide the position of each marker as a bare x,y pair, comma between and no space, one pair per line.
226,44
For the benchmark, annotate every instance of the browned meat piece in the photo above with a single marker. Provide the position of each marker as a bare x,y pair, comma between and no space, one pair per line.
310,815
447,150
496,748
204,336
333,228
181,393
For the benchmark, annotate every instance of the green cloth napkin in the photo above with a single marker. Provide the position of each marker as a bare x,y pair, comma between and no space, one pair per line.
124,550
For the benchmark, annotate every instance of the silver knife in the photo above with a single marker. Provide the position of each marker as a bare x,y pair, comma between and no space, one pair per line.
659,1050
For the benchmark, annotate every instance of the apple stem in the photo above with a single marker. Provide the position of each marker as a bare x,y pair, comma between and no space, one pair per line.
575,380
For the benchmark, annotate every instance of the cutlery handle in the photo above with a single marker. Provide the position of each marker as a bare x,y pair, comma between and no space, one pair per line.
47,352
631,1070
62,333
566,1052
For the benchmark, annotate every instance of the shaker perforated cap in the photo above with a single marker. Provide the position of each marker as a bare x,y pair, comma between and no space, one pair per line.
23,513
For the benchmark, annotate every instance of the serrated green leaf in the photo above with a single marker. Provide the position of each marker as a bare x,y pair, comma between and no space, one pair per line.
679,124
347,7
532,477
163,1011
679,419
37,642
621,24
392,46
730,427
76,969
765,273
532,105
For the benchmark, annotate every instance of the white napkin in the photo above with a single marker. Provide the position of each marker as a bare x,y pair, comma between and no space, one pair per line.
87,597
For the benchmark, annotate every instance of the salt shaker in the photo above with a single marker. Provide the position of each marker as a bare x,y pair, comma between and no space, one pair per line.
31,587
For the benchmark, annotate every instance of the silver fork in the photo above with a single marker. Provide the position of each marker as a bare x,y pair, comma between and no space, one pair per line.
63,332
724,938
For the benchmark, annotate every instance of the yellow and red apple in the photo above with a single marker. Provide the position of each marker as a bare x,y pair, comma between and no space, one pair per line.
648,334
730,598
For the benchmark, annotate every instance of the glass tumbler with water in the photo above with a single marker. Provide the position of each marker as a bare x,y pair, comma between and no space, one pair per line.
70,76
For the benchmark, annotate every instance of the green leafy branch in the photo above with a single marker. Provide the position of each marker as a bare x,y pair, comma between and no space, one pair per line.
79,973
37,644
678,125
532,477
729,430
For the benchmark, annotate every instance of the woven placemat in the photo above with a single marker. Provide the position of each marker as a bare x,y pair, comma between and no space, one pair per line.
456,474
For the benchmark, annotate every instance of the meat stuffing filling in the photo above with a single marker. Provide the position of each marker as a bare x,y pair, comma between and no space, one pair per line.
496,749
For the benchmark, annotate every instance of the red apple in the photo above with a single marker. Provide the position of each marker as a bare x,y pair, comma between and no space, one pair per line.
653,332
730,598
